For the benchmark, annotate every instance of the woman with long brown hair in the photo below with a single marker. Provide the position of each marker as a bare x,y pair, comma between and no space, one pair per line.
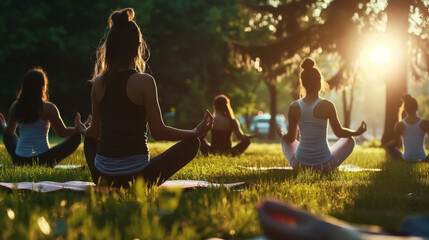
124,102
224,124
311,113
33,114
412,130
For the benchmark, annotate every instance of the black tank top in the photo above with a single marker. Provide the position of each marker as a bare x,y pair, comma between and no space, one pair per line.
123,123
222,140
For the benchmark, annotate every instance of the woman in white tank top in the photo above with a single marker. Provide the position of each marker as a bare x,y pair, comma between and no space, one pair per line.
412,130
33,114
311,114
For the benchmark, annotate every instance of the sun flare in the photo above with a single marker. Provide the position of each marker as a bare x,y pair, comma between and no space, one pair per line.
380,55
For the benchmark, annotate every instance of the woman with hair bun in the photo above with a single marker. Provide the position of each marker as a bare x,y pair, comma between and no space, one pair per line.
311,114
412,129
224,124
124,102
33,114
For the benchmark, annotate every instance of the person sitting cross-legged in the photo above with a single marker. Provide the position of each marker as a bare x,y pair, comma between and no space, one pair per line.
311,114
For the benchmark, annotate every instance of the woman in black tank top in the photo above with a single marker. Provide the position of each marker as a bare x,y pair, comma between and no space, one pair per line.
224,124
124,102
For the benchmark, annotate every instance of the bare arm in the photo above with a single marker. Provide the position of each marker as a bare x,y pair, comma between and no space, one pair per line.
293,115
53,115
239,133
10,128
397,136
339,130
158,129
94,120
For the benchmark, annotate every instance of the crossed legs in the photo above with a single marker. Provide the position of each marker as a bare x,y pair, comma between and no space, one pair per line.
339,153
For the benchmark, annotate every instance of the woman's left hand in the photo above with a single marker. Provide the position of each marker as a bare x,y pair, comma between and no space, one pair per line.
361,129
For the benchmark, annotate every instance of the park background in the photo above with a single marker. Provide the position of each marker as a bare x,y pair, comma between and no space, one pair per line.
369,51
248,50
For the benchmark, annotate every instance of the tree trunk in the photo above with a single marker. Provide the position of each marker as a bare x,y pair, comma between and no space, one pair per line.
347,107
273,109
396,80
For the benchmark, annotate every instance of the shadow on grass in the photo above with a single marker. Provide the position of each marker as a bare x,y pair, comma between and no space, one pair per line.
389,196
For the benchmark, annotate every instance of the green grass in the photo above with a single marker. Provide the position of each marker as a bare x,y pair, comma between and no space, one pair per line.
382,198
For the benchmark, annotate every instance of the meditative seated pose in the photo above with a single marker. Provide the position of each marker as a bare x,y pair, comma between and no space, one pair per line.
224,124
280,221
412,130
311,114
33,114
124,100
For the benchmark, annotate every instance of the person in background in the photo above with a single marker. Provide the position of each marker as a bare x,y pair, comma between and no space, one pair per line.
412,130
311,113
33,114
124,102
224,125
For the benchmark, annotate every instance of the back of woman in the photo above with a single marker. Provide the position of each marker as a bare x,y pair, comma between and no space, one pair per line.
311,114
125,100
414,138
313,148
412,130
222,134
125,135
33,114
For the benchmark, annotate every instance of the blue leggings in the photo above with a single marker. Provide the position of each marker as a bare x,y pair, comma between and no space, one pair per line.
49,158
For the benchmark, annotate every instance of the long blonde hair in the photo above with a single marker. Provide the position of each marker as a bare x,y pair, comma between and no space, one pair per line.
122,44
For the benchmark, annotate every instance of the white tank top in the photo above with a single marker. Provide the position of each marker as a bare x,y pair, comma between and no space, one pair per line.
313,147
413,142
33,138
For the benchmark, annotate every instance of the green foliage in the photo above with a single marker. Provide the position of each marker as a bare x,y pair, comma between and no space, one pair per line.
189,41
383,198
423,106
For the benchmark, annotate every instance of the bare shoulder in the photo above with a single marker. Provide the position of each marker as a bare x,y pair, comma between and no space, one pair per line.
425,124
142,78
13,105
49,107
294,111
97,80
327,103
141,82
294,105
399,126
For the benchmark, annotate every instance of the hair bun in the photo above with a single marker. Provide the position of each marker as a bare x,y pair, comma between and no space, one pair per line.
308,63
121,17
406,97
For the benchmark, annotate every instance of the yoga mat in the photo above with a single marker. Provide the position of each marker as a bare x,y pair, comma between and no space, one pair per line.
65,166
346,168
70,166
49,186
186,184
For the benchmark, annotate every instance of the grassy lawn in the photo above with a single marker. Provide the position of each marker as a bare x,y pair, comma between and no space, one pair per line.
383,198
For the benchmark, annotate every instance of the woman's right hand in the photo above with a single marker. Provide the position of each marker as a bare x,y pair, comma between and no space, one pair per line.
78,125
361,129
205,125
